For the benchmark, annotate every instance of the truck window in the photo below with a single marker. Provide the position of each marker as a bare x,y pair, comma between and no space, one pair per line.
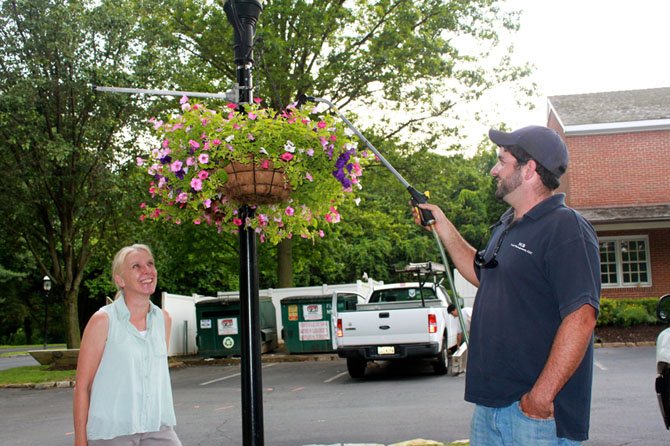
401,295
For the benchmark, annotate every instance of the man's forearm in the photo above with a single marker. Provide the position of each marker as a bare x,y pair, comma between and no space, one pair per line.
570,345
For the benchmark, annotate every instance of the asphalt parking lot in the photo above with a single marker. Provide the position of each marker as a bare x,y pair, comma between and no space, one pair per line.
316,403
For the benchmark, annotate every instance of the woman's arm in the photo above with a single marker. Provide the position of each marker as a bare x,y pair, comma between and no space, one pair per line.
90,353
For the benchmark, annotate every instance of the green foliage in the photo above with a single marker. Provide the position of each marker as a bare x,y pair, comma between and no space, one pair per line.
63,142
627,312
413,60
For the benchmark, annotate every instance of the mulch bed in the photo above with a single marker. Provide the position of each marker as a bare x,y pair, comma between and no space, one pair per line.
635,333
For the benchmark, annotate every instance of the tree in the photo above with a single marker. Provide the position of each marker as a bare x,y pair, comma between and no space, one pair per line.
62,143
410,60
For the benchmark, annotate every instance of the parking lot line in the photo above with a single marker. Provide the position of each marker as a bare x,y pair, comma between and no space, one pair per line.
339,375
223,378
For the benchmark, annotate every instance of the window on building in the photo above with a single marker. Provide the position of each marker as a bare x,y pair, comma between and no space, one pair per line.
624,261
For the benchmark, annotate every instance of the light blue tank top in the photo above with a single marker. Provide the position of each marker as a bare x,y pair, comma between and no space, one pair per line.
131,391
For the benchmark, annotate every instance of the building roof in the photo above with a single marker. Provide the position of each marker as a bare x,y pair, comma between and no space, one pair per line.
614,111
627,214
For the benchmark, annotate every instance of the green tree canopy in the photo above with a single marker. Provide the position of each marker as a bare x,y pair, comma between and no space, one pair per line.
61,142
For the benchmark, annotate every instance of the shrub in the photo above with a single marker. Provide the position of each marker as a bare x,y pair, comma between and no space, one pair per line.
627,312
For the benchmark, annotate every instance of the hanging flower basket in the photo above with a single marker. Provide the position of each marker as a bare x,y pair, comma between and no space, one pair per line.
295,167
251,183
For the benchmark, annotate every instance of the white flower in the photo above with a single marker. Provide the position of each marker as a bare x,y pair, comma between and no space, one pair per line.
229,138
289,146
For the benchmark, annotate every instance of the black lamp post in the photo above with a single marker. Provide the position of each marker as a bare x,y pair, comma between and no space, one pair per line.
242,15
46,286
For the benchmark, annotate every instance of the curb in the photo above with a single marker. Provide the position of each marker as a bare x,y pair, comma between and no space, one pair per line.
624,344
180,361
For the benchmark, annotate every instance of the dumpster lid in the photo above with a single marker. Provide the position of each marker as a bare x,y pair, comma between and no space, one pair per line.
228,300
323,298
223,300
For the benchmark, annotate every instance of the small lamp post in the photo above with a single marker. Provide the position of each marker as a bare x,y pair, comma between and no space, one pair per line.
46,286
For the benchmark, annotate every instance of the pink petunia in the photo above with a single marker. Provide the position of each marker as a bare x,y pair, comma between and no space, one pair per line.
182,197
309,177
322,124
262,220
176,166
237,221
265,164
203,158
252,116
286,156
196,184
207,203
139,161
183,100
289,211
203,174
190,161
194,144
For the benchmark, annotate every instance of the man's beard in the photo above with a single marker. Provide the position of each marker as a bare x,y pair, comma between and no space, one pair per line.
509,184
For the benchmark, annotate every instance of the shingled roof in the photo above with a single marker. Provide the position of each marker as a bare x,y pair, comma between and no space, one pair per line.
593,110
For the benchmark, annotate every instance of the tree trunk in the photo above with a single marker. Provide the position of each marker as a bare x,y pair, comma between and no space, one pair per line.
284,264
72,332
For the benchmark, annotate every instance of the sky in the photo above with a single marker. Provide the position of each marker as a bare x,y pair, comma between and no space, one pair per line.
588,46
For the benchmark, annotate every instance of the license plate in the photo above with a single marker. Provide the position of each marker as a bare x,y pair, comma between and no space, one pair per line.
386,350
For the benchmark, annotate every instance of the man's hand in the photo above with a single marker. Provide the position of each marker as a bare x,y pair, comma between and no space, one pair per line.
533,408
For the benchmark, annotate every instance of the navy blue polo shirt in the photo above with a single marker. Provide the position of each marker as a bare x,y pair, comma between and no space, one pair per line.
548,267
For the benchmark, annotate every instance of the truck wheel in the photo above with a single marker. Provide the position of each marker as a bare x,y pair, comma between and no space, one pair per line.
441,364
356,367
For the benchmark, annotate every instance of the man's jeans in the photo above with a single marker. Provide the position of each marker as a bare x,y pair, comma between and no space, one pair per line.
508,426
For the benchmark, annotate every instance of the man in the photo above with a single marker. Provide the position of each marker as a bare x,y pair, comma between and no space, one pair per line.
530,362
467,317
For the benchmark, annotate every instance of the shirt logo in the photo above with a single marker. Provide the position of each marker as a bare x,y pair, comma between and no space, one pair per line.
521,247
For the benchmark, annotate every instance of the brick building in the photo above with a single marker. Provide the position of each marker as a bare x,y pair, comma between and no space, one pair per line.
619,179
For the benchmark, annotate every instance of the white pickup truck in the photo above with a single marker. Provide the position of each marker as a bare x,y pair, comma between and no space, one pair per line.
399,321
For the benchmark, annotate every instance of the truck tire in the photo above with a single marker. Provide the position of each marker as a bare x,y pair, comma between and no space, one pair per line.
441,363
356,367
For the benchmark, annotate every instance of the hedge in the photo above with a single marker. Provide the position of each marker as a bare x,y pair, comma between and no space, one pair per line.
627,312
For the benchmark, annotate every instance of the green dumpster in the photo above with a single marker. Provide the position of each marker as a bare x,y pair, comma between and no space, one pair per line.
306,321
219,330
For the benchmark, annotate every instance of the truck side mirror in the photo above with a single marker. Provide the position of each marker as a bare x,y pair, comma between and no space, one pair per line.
663,308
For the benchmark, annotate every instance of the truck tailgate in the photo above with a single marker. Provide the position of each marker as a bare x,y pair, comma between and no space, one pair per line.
400,326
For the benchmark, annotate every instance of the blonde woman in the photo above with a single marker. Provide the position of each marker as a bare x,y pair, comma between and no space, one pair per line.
123,394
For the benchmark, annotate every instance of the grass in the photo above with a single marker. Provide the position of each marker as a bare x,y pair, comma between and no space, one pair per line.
34,374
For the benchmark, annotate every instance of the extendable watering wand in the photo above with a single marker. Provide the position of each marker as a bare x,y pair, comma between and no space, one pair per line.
426,216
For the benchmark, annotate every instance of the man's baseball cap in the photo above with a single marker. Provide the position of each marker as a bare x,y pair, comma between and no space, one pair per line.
542,144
